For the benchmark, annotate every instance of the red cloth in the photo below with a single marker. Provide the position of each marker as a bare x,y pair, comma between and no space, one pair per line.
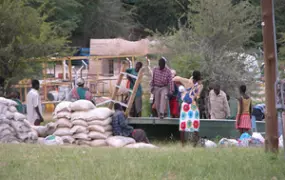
245,122
174,107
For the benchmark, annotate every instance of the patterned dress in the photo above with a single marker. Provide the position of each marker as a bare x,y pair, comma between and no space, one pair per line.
189,114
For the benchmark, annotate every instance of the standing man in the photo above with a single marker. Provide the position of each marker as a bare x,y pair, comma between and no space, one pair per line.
219,106
34,105
161,87
137,105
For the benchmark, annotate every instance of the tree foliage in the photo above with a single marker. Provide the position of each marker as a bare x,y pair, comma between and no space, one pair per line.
22,39
213,42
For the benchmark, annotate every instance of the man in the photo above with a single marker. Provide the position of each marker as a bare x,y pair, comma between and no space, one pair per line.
121,128
219,106
161,86
34,105
137,105
174,101
80,92
15,96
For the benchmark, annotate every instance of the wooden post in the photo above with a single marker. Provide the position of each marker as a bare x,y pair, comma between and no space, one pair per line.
70,69
44,65
133,61
120,78
271,140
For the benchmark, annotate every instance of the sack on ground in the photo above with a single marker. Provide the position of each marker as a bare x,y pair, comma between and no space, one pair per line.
68,139
4,126
228,142
51,128
82,105
78,129
120,141
63,122
82,142
62,132
96,135
101,114
141,145
210,144
258,136
108,133
82,136
98,143
80,123
100,122
63,106
9,115
53,140
7,102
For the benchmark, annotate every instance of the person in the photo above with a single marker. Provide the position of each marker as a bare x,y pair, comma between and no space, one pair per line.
243,119
258,114
121,128
161,87
34,105
219,106
80,92
137,104
233,106
189,114
15,96
173,101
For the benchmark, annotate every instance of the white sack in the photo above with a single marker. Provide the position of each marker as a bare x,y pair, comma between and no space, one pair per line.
53,140
120,141
140,145
78,129
9,115
96,128
51,128
100,122
62,132
97,135
98,143
82,142
12,109
82,105
4,126
3,108
19,117
62,106
258,136
82,136
7,102
101,113
280,140
210,144
80,123
63,114
108,133
63,122
228,142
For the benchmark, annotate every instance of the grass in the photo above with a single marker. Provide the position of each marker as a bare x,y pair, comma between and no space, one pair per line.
34,162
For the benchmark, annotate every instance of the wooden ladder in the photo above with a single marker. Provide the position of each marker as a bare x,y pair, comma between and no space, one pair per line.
132,91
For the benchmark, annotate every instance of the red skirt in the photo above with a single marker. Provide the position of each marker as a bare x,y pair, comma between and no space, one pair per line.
245,122
174,107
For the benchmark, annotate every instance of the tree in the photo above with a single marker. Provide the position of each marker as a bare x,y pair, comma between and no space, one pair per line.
213,42
23,36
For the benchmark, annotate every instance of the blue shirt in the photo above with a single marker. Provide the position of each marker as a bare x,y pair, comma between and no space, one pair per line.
132,83
261,107
120,125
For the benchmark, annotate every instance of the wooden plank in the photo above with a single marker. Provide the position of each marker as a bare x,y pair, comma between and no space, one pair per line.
135,88
118,83
70,69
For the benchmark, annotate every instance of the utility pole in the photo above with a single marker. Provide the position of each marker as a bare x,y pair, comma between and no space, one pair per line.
270,56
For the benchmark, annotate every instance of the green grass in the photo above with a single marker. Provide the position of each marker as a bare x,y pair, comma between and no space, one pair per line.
34,162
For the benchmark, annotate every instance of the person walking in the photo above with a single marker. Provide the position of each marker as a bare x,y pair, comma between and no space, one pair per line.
219,106
161,87
34,105
136,110
243,119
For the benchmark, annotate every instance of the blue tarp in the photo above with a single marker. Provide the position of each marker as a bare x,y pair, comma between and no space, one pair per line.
81,52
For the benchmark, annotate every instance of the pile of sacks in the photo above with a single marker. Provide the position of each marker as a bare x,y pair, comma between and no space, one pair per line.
14,127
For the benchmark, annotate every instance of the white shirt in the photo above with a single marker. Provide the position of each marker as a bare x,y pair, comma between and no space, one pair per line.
33,100
219,106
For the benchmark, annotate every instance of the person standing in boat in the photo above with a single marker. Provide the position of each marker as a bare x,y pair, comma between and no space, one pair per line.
189,113
80,92
243,119
219,106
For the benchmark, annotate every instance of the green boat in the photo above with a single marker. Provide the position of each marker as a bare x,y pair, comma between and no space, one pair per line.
167,129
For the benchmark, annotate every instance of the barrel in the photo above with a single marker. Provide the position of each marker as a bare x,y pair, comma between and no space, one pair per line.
49,108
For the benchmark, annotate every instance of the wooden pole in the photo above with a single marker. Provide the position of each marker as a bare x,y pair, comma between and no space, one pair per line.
45,80
133,61
271,140
70,69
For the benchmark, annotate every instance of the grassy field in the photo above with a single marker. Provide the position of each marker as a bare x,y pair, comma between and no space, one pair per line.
34,162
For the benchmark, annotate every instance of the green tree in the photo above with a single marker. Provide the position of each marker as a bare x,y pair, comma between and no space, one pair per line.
213,42
24,36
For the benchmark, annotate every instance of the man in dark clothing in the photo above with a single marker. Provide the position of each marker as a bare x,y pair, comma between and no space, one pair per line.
121,128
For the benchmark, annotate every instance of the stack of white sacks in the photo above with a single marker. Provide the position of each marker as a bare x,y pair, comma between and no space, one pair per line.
14,128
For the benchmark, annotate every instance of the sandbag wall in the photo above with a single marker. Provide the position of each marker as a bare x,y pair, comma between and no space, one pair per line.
14,127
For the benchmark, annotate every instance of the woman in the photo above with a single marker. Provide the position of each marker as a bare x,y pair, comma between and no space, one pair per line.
243,119
189,114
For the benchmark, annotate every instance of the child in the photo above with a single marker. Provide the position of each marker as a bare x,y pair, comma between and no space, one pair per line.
243,119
